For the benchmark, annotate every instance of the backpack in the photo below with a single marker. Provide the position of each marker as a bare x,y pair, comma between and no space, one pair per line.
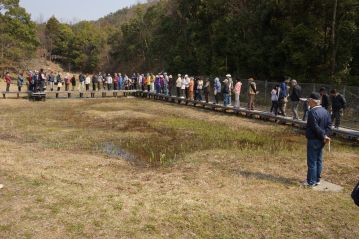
355,194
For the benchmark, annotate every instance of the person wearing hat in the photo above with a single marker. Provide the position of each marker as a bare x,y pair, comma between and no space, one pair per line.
230,82
317,134
338,106
237,93
217,87
325,98
252,92
226,90
179,85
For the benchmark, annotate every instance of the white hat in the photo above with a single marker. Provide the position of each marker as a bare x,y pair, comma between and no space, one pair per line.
228,75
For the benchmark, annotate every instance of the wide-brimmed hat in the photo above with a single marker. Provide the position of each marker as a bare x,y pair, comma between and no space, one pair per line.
228,75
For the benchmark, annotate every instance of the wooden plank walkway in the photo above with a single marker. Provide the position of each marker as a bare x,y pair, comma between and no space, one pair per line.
344,132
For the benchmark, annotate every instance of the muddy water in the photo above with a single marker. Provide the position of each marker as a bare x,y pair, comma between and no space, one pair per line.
115,151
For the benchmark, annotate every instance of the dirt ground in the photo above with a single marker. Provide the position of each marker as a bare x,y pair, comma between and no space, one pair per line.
131,168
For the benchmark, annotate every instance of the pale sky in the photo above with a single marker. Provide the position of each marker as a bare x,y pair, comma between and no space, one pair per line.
73,10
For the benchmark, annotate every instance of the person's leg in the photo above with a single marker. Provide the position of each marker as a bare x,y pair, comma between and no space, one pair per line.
319,164
7,87
312,162
237,101
338,118
295,109
275,107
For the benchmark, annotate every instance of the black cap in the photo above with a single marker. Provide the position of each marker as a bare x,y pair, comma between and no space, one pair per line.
314,96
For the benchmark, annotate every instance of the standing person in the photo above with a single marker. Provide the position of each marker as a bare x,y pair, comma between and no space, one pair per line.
226,90
252,92
338,107
126,84
152,82
109,82
166,82
317,134
115,82
324,98
73,83
158,84
67,82
179,85
51,80
295,97
199,89
29,81
170,83
82,79
237,93
42,80
148,82
20,81
8,80
275,98
207,90
217,89
58,80
162,82
134,81
94,81
283,97
305,109
195,88
191,88
120,81
99,81
231,87
87,82
186,86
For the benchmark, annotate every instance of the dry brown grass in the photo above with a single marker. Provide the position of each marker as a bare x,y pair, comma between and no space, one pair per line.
60,183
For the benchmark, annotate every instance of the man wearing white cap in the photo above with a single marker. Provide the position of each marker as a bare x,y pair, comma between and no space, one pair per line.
230,84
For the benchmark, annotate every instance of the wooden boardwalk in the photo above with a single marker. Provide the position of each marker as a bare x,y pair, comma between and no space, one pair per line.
344,132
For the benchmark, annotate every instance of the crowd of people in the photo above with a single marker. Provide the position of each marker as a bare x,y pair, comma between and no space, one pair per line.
191,88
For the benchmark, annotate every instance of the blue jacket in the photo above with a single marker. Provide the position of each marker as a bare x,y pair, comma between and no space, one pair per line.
318,124
283,90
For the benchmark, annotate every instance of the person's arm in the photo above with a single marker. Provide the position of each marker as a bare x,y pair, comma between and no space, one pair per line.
312,123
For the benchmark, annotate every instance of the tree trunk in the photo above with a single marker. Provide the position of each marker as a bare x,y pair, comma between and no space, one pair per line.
333,40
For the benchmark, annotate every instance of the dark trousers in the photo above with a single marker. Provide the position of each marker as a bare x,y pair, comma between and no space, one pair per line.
148,88
93,86
206,96
274,107
87,87
336,117
178,91
7,87
216,97
187,93
19,88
